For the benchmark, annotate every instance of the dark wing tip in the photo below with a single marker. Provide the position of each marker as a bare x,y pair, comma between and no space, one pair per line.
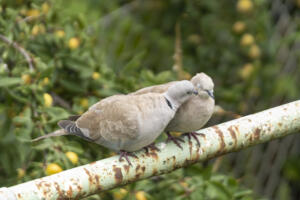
63,123
74,117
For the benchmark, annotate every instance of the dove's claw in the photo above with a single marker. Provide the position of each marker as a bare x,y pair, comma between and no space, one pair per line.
151,146
194,135
125,154
176,140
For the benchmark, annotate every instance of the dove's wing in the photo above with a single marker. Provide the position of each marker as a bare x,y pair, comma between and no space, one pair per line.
110,119
154,89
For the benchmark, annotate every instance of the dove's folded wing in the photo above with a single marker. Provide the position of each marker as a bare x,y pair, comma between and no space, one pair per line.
154,89
112,120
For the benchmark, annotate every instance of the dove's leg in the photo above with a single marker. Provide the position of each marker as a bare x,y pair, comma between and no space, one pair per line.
151,146
125,154
194,135
176,140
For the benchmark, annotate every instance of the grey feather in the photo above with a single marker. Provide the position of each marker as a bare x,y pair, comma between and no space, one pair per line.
73,117
60,132
70,127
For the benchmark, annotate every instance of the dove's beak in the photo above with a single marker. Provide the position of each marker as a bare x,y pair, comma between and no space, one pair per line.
210,93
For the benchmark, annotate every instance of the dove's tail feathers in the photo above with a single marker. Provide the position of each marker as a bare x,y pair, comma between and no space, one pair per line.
59,132
71,127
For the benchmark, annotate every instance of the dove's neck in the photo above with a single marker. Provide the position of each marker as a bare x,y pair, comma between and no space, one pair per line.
174,104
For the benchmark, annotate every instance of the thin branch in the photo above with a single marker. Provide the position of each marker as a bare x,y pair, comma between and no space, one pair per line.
60,101
28,19
181,74
178,52
20,49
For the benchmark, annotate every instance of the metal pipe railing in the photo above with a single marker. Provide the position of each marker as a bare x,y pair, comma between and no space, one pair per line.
109,173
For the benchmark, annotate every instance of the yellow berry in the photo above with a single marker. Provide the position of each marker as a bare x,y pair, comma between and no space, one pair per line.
73,157
120,194
47,100
53,168
247,39
35,30
59,33
96,75
32,13
239,27
244,6
246,71
21,173
46,81
26,78
184,184
74,43
45,8
254,51
84,102
140,195
38,29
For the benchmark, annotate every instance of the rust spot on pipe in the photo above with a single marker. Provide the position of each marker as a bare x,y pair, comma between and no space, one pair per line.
126,168
97,177
19,196
118,174
233,135
154,171
89,175
70,192
92,163
154,155
60,193
137,176
79,189
143,169
257,133
43,186
280,124
174,158
221,137
137,168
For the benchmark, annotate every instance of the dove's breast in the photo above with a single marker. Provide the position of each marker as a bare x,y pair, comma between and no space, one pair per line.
153,118
192,115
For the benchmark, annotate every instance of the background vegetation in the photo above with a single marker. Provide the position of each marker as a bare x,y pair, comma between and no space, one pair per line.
60,57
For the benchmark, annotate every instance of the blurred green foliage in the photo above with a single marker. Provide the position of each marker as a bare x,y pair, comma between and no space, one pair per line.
83,51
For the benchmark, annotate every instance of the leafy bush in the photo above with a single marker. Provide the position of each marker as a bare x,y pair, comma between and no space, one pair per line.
58,58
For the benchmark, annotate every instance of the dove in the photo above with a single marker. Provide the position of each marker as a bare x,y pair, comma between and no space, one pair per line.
127,123
194,113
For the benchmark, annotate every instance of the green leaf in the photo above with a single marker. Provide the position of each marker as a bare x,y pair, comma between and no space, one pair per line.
56,113
9,81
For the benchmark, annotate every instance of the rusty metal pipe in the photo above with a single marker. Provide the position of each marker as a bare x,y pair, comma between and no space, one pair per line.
110,173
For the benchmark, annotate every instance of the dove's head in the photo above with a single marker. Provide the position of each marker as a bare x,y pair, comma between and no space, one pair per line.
179,92
204,85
